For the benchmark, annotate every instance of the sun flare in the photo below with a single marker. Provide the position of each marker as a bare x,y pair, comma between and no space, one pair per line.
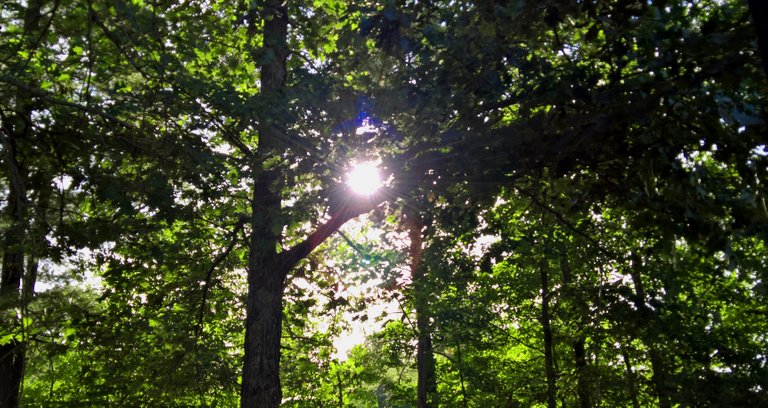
364,178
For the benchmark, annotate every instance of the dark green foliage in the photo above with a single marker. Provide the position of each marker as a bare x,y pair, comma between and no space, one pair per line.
617,146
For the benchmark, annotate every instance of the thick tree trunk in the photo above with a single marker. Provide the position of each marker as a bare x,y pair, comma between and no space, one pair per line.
264,313
267,270
425,361
15,129
549,360
264,318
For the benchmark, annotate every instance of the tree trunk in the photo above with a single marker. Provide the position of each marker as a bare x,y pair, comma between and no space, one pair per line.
261,375
631,379
580,356
459,361
341,389
659,377
12,353
264,313
267,270
425,360
15,129
658,366
549,361
759,10
579,351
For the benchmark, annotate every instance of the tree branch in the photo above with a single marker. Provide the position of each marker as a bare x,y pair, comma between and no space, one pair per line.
352,207
216,262
48,97
352,244
561,219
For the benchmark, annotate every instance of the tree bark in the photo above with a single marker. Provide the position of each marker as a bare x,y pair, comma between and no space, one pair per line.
268,269
549,361
659,376
580,356
12,353
631,379
459,361
341,389
260,386
425,361
759,10
261,375
579,350
15,129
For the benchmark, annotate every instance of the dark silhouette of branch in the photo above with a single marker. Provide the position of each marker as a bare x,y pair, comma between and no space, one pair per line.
49,97
561,219
353,206
216,262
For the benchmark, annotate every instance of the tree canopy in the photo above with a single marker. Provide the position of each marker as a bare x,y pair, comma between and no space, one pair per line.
573,209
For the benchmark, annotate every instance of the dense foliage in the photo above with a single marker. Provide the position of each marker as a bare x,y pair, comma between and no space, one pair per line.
575,212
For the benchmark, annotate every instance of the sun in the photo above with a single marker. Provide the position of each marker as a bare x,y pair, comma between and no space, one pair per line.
364,178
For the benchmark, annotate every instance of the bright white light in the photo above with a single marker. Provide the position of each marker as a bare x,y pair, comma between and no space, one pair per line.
364,178
365,127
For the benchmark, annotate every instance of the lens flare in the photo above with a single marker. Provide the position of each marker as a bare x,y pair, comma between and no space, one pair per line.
364,178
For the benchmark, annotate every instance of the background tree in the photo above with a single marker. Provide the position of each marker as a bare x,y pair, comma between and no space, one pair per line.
191,156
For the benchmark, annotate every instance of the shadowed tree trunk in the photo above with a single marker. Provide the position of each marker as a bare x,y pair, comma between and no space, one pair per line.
549,361
267,269
579,352
631,379
658,366
425,359
759,10
16,129
12,353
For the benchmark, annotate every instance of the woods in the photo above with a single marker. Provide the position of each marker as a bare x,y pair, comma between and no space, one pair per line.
573,209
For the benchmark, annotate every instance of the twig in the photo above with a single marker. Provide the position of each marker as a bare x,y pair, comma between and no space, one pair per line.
216,262
48,97
351,243
565,222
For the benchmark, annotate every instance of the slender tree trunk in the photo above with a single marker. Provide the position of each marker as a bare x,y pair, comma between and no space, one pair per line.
549,361
579,351
658,366
464,397
425,360
580,357
631,379
341,389
759,10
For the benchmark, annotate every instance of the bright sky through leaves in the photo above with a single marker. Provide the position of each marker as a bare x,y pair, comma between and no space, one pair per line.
364,178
